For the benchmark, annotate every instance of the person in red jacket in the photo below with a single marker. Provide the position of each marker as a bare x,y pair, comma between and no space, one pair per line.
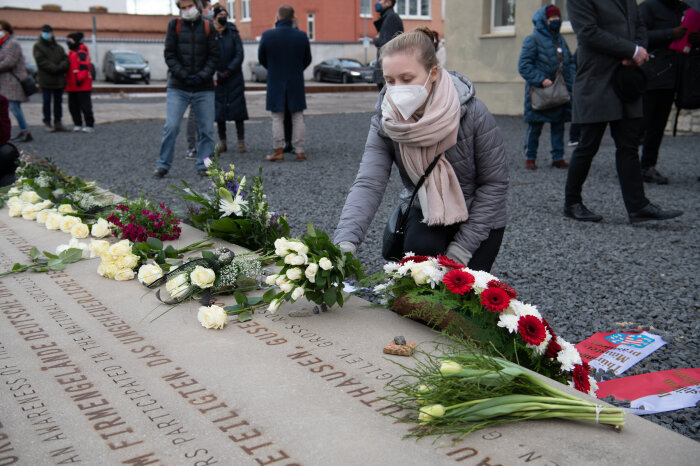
79,84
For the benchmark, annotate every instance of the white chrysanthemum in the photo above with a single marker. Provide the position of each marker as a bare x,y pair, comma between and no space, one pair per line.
404,270
594,386
508,321
409,254
521,309
542,347
391,267
435,276
568,357
481,279
236,207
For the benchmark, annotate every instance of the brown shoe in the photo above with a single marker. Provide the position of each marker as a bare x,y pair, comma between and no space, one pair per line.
278,156
222,145
301,156
530,165
58,126
560,164
241,146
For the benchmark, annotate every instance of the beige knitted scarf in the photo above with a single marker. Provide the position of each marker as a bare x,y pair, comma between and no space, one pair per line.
421,140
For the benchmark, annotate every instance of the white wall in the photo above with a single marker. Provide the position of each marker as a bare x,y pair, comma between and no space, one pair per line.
113,6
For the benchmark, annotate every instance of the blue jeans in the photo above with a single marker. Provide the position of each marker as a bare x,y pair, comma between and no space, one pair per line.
532,140
54,96
177,102
16,109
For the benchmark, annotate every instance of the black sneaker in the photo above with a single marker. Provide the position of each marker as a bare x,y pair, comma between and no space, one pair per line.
191,154
202,172
651,175
160,173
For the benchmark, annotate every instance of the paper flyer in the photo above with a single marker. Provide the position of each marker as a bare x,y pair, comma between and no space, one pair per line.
616,351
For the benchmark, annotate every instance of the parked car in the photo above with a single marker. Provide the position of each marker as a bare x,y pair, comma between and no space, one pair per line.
125,65
258,73
344,70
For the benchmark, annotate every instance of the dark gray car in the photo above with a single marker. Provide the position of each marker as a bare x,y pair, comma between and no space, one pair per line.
125,65
344,70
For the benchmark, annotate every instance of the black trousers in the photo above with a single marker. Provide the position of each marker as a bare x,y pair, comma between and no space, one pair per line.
425,240
240,129
80,106
55,97
626,134
287,124
657,107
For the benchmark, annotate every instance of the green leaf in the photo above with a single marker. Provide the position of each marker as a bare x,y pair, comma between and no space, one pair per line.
255,300
50,256
154,243
70,255
56,264
340,297
269,295
320,280
225,194
310,230
160,258
244,316
34,253
171,252
143,247
233,309
207,254
329,297
240,298
17,266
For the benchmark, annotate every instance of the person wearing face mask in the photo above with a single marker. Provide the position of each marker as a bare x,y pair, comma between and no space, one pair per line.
192,54
79,84
427,115
52,64
230,85
388,25
192,131
543,55
12,70
663,21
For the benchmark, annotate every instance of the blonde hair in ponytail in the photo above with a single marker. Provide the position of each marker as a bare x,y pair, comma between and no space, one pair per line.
418,40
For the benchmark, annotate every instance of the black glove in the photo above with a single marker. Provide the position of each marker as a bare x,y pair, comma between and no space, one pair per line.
694,39
678,32
193,80
223,75
78,83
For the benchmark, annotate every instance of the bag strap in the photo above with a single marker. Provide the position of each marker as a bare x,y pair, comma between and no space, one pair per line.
403,216
178,27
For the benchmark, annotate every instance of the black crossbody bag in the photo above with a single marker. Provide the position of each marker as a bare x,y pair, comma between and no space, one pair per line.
395,229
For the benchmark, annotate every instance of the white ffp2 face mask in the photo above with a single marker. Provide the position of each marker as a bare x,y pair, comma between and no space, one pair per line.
190,14
408,97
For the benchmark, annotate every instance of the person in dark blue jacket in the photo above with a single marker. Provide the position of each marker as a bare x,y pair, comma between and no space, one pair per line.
230,86
285,52
542,55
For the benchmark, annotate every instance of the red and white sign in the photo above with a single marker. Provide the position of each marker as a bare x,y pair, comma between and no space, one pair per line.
616,351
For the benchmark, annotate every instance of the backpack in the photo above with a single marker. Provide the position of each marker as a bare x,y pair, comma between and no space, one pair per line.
178,27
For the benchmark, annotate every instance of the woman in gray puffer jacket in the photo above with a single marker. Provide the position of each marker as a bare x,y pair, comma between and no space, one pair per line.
461,209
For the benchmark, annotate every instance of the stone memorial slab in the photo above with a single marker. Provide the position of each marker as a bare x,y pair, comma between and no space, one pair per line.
87,377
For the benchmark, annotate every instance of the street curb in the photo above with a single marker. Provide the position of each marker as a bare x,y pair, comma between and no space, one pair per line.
311,89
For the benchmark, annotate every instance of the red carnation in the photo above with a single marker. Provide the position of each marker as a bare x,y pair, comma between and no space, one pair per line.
449,263
531,330
498,284
580,375
549,329
553,348
495,299
415,259
458,281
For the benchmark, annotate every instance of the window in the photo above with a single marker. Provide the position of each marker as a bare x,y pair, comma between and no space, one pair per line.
232,9
562,7
245,10
413,8
311,26
502,16
366,8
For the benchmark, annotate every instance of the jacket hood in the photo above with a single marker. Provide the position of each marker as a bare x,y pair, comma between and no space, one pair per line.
539,19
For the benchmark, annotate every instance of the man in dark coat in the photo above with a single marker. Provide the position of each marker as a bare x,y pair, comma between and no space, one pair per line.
52,64
663,21
191,53
388,25
285,52
612,40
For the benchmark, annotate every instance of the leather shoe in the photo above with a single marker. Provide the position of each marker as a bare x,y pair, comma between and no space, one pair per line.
651,175
652,212
560,164
530,165
301,156
160,173
580,212
278,156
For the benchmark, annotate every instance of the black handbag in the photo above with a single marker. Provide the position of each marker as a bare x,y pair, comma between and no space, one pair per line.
394,231
28,84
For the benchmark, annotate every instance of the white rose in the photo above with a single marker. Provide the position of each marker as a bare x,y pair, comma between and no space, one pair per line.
53,221
128,261
100,229
14,200
43,205
123,275
121,248
30,196
274,305
16,210
41,216
271,279
14,191
289,258
294,274
286,287
149,273
297,293
299,247
28,212
202,277
420,272
325,263
280,279
67,209
300,259
212,317
84,247
281,247
107,269
178,285
310,272
60,248
98,248
68,222
80,231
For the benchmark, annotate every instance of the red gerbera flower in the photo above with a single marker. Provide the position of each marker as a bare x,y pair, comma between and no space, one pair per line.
449,263
549,329
531,330
498,284
553,347
495,299
458,281
415,259
580,376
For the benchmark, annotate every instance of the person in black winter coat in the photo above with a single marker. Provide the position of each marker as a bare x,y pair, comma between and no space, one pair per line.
663,21
388,26
192,54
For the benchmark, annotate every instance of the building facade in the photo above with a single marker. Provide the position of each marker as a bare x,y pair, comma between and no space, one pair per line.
113,6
